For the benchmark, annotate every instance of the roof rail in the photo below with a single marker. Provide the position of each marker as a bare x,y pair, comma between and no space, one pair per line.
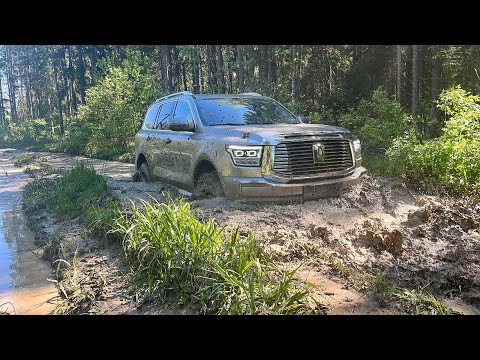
176,94
251,93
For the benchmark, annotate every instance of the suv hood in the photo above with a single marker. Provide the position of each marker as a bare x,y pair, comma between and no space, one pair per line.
276,133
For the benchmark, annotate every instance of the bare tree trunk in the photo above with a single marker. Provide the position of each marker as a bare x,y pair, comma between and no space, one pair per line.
196,71
59,96
3,119
166,73
93,63
295,74
221,70
241,83
81,74
230,66
212,66
399,73
72,79
415,82
11,84
436,79
28,93
184,76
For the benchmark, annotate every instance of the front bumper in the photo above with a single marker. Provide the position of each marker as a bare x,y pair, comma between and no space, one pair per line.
259,189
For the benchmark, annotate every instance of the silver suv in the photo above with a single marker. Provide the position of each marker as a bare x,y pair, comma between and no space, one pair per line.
244,146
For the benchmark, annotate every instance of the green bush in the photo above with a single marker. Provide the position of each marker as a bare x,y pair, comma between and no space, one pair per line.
377,122
36,134
450,162
114,109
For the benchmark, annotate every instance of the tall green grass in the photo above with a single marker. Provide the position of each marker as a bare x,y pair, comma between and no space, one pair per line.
68,195
170,252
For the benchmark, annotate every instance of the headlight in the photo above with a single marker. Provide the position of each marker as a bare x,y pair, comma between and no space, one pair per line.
357,148
243,155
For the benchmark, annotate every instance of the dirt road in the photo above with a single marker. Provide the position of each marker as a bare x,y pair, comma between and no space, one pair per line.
378,227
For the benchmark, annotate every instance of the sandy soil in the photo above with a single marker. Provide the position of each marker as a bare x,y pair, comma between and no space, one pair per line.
378,227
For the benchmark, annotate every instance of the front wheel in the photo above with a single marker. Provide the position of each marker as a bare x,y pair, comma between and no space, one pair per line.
208,185
143,173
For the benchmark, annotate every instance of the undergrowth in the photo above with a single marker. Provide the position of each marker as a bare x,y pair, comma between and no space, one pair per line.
171,252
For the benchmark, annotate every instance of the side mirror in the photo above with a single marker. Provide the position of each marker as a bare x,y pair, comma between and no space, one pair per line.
303,119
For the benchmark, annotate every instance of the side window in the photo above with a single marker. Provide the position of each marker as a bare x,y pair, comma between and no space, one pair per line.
183,115
165,116
150,116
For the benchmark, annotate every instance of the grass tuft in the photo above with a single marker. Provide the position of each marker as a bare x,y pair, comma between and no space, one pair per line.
68,195
170,251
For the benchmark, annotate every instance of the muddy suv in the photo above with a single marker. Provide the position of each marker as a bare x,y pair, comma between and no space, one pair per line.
244,146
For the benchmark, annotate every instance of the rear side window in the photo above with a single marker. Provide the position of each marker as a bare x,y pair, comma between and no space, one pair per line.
150,116
165,116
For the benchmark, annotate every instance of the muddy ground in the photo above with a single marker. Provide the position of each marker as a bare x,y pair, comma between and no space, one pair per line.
379,227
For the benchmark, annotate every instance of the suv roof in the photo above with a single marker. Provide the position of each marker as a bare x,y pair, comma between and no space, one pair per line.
206,96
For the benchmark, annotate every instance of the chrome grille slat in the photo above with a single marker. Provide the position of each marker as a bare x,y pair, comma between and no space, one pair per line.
295,158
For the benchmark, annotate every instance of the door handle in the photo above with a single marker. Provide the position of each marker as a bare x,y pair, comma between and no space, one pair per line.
168,141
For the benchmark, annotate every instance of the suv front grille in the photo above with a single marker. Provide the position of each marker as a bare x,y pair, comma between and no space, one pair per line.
296,158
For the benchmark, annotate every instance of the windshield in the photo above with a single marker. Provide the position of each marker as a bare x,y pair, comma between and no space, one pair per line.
243,111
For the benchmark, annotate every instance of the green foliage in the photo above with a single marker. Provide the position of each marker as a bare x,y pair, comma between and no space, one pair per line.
169,248
67,196
35,134
115,109
450,162
377,121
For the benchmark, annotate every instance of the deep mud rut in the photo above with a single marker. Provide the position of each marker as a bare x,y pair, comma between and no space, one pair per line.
378,227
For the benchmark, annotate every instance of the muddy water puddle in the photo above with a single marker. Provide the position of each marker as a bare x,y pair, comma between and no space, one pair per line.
24,288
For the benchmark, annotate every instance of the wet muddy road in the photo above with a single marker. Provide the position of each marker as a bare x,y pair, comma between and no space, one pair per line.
24,288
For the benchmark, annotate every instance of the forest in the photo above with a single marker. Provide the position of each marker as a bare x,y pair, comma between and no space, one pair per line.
413,106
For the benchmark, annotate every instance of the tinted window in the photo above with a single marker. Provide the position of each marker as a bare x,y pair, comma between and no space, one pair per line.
165,115
150,116
243,111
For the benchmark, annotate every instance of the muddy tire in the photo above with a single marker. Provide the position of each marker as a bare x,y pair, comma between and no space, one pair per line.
143,173
208,185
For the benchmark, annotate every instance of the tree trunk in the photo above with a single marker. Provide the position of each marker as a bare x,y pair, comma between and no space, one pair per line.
184,76
71,73
399,73
81,74
212,67
3,119
221,70
28,93
195,70
295,74
241,84
415,82
93,63
166,73
59,96
11,84
436,79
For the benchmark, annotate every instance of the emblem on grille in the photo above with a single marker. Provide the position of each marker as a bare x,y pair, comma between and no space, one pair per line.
318,152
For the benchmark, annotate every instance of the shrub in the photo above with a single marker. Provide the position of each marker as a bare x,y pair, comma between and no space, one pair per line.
114,109
450,162
377,122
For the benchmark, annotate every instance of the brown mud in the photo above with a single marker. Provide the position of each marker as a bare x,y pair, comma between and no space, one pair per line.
379,227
